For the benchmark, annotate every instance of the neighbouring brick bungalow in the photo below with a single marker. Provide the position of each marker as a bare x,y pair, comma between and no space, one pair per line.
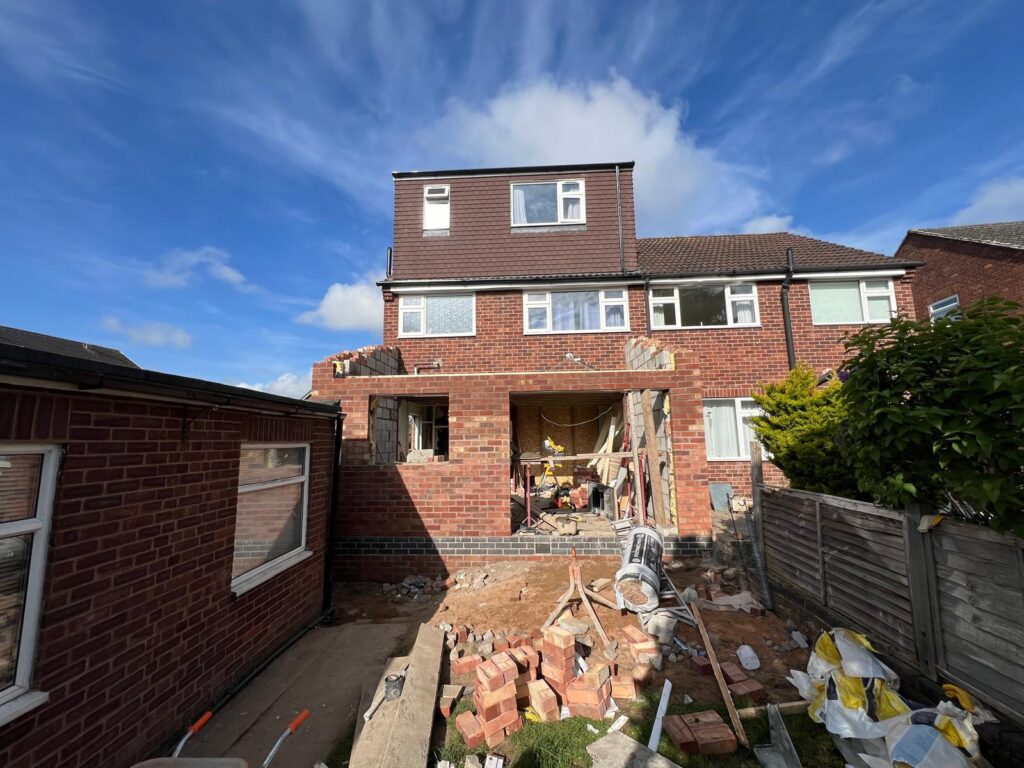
519,301
160,537
960,265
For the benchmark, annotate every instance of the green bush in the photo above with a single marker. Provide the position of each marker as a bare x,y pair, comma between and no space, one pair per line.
802,428
935,413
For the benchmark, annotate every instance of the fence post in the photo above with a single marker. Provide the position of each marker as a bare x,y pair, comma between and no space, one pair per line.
923,611
821,553
756,483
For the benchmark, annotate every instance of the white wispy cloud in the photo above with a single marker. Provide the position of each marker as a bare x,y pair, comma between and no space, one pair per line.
150,334
996,200
680,185
287,384
767,223
354,306
179,267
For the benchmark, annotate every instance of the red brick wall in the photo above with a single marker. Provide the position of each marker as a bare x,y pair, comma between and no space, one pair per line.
140,631
468,495
972,270
481,233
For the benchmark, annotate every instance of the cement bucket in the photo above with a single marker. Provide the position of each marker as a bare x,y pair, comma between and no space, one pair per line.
638,580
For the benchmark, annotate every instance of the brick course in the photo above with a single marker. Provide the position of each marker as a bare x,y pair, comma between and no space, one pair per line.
140,631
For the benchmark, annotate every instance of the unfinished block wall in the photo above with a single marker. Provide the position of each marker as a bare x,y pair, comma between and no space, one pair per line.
140,630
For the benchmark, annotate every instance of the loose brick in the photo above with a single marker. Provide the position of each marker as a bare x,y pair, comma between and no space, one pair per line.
679,734
701,665
732,672
715,739
559,638
499,723
470,728
623,688
751,689
466,664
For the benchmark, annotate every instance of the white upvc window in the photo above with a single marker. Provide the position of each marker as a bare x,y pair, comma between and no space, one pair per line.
28,476
436,207
549,203
727,428
852,302
584,311
947,307
442,314
705,305
271,517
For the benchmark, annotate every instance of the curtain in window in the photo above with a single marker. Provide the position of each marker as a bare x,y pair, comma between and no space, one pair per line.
449,314
720,429
571,209
836,303
575,311
743,312
518,205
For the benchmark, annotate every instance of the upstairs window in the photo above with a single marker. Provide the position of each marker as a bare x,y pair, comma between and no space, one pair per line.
575,311
704,306
436,207
437,315
948,307
27,478
852,301
549,203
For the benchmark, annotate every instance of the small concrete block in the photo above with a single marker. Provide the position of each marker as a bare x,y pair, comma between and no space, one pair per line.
732,673
751,689
472,761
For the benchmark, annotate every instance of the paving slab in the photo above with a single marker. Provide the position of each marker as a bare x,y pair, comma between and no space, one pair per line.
324,672
617,750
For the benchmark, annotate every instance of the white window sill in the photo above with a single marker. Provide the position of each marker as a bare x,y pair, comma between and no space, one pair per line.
703,327
574,333
550,224
435,335
243,584
852,322
22,705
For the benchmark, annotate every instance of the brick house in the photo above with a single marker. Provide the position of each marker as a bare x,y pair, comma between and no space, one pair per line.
960,265
160,537
519,305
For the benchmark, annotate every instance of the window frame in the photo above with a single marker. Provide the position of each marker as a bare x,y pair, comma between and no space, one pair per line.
560,195
865,294
602,301
250,579
422,311
448,205
952,309
738,413
20,697
730,299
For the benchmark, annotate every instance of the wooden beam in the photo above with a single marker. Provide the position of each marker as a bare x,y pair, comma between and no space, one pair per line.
653,457
737,724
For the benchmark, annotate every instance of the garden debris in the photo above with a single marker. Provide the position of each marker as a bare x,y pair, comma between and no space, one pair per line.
616,750
781,753
450,695
414,587
856,696
702,733
726,694
748,657
598,584
666,693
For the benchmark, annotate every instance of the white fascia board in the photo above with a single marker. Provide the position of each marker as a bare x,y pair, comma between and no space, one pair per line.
525,285
779,276
852,275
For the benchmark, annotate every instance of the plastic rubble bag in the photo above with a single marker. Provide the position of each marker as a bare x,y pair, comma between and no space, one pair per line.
942,737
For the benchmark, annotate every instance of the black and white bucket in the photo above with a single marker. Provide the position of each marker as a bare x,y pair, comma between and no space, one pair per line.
638,581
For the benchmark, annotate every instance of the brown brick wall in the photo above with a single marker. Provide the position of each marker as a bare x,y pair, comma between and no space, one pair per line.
972,270
140,631
481,241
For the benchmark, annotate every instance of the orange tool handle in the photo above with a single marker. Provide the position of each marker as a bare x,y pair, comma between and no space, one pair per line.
300,718
198,724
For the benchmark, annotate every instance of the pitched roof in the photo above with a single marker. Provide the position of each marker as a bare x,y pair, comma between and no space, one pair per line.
40,342
751,254
1008,234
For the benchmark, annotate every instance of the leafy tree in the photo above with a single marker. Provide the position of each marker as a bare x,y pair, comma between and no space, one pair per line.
802,429
935,412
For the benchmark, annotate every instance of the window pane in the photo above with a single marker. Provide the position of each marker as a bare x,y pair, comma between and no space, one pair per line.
663,293
743,312
412,301
612,295
19,486
570,186
536,298
836,303
15,553
879,309
576,311
741,290
615,316
449,314
664,314
876,285
572,210
259,465
412,322
720,429
535,204
537,318
702,305
268,524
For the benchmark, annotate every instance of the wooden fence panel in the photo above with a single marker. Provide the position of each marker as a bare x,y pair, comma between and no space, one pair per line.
791,547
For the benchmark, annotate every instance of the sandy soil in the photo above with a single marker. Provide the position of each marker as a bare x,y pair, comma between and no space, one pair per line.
521,595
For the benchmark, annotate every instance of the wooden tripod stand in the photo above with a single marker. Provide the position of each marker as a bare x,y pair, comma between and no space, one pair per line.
577,587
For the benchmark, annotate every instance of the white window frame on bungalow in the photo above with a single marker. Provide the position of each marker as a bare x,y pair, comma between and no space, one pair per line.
253,578
560,197
742,407
731,300
947,307
416,304
542,300
866,292
19,698
437,210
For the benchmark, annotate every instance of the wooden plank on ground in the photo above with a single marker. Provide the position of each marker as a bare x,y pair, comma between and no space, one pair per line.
653,456
409,745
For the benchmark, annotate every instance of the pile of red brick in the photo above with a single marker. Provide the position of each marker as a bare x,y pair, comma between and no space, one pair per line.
700,732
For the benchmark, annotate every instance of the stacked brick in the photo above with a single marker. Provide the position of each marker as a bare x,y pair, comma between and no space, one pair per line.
700,733
590,695
642,647
742,686
495,699
558,659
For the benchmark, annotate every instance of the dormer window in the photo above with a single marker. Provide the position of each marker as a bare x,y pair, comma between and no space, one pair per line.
436,208
549,203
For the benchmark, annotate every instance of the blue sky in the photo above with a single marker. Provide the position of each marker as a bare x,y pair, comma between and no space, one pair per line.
206,185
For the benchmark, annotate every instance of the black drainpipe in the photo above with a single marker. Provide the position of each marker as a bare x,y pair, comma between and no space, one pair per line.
787,321
618,213
328,597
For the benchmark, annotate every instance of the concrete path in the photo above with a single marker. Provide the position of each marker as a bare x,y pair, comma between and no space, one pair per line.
325,673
